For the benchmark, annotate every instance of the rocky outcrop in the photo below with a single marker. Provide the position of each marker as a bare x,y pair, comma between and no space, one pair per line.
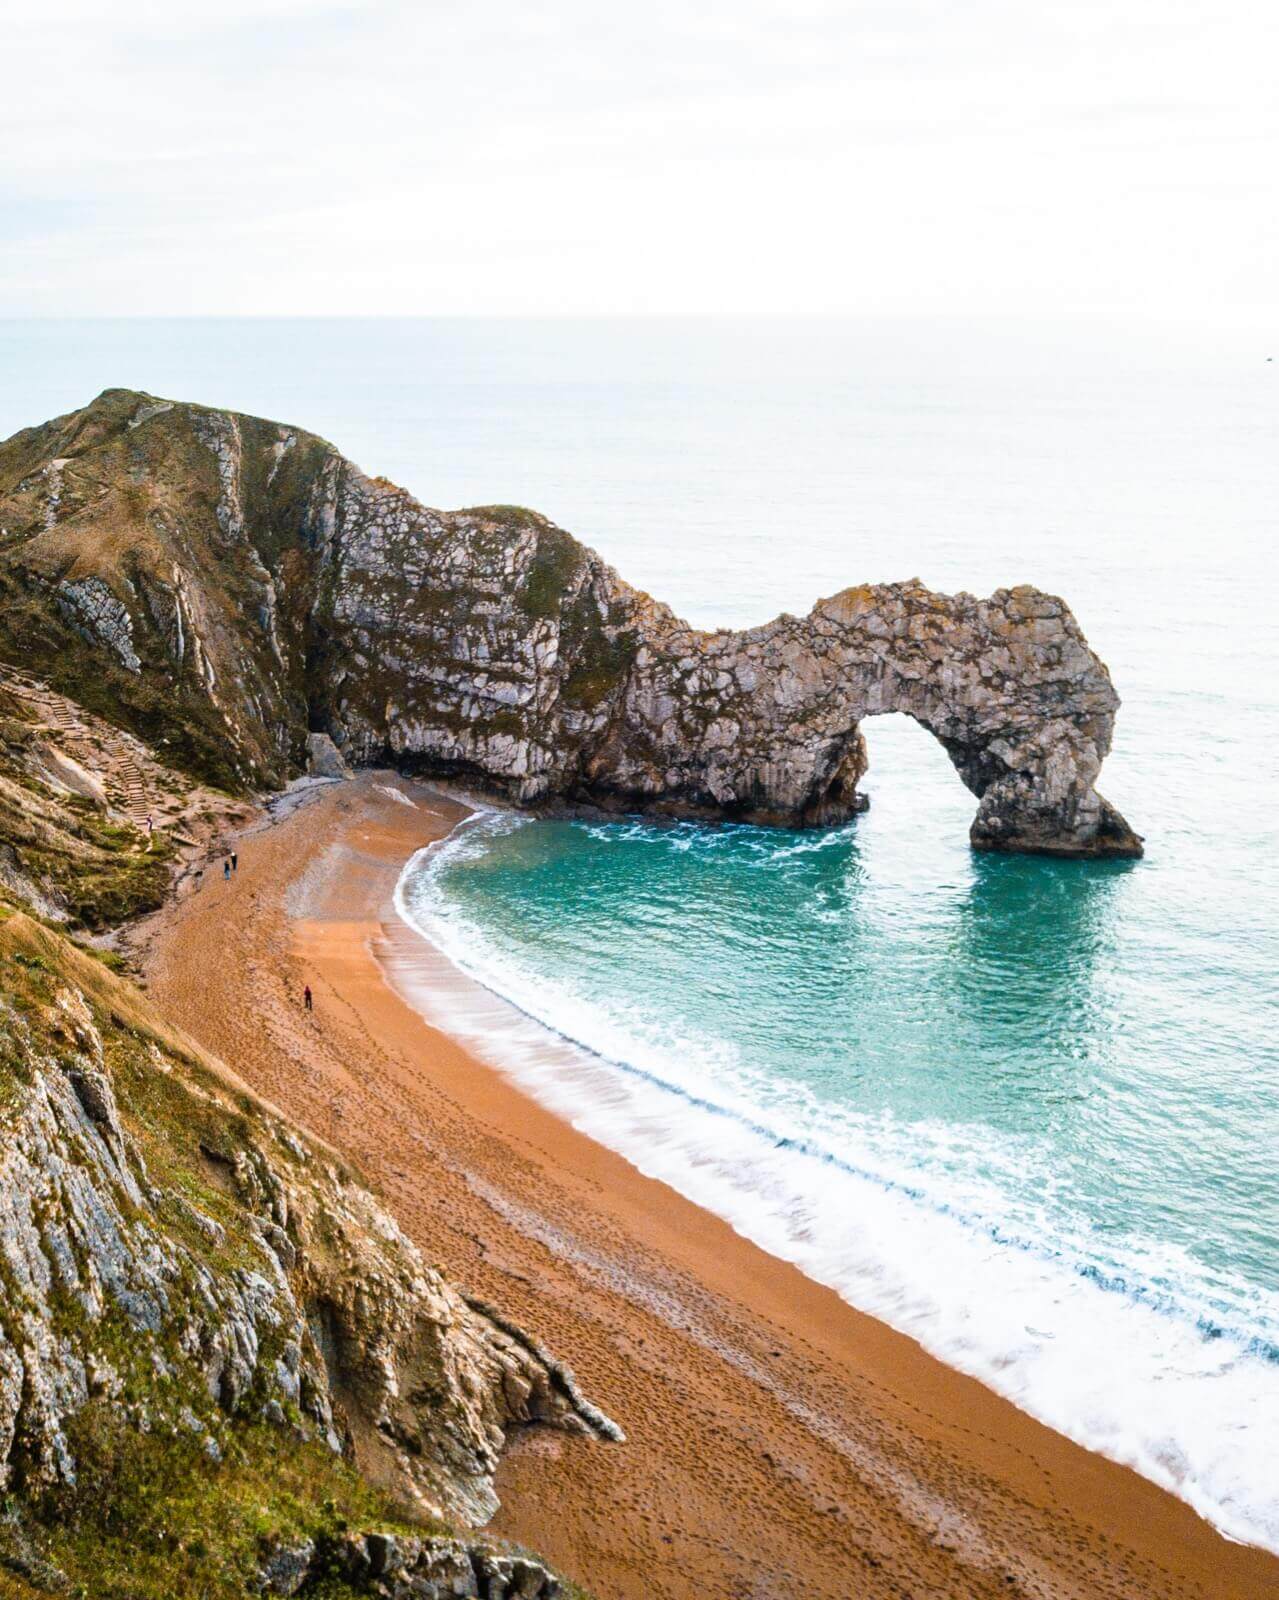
398,1568
268,589
93,827
324,759
94,611
172,1253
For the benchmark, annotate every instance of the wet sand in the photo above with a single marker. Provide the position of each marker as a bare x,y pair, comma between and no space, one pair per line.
779,1444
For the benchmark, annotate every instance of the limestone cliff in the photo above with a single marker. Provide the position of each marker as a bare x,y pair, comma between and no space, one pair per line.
192,1291
231,584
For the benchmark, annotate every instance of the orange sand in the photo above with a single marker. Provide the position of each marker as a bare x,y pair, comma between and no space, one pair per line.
779,1444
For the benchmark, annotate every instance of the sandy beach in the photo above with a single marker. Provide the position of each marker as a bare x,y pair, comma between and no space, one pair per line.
779,1443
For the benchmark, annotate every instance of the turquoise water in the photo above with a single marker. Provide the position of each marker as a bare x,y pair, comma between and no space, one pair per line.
1026,1110
1030,1009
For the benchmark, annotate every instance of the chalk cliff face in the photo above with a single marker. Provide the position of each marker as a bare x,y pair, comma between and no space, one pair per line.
231,584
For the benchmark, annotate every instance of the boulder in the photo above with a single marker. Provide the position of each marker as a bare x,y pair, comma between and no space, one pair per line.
323,758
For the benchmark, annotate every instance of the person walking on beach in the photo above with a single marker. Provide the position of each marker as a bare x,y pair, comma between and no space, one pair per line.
306,997
226,871
235,862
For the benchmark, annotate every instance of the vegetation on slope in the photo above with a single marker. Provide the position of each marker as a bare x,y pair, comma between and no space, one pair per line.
176,721
62,855
166,1495
178,1426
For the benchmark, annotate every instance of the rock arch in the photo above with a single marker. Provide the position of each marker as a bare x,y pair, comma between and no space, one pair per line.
765,724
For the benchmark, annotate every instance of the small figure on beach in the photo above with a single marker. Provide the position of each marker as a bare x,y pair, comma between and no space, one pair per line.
306,997
235,862
226,871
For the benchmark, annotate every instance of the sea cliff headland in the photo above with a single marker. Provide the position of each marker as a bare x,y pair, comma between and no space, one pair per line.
240,584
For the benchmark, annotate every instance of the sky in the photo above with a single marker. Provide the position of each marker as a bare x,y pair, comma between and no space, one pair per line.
870,157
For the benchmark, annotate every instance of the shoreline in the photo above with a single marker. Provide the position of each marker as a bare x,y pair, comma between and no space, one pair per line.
780,1442
856,1217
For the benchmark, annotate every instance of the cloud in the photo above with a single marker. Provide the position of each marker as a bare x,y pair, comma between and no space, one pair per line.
420,158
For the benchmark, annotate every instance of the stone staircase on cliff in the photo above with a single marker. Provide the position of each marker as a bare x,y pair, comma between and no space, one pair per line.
136,787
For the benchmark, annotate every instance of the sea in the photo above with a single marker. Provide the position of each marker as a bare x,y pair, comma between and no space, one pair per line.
1024,1110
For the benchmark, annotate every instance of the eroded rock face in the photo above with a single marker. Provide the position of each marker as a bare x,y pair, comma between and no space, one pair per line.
282,1292
398,1568
272,588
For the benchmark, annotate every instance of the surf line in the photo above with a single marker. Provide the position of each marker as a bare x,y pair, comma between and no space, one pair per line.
1211,1328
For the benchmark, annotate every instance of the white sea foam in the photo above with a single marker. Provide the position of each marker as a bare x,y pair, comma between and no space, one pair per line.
1114,1350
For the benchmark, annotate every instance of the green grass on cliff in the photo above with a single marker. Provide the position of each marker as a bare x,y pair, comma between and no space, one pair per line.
102,876
99,872
554,565
150,1515
181,727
